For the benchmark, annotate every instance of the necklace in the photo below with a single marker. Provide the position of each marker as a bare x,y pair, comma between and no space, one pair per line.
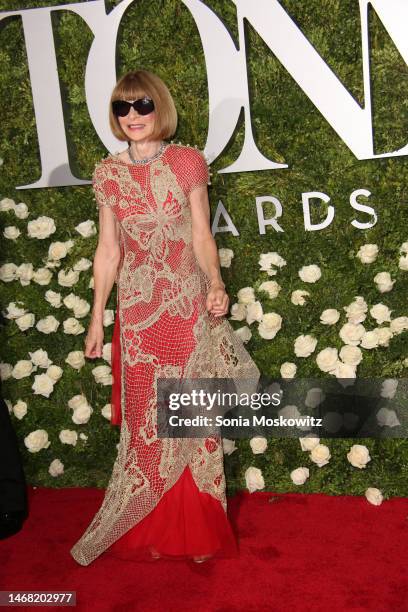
147,159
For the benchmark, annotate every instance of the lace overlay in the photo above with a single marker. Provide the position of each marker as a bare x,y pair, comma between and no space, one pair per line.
165,331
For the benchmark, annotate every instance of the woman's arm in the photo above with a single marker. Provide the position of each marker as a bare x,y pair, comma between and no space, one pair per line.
205,250
105,267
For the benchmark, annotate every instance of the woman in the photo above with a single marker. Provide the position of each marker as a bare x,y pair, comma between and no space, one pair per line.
166,496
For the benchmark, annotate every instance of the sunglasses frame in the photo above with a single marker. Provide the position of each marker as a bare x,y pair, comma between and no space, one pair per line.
136,104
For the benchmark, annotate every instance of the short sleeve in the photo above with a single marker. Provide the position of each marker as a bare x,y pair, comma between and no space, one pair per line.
98,178
196,170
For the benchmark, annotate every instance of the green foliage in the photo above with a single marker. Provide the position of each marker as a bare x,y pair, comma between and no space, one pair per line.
162,37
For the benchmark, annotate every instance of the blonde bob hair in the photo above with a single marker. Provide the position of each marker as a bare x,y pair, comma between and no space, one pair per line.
139,83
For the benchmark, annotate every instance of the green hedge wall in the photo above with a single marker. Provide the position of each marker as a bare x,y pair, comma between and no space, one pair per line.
162,36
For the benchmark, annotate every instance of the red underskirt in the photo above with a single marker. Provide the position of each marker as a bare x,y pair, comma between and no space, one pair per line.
185,523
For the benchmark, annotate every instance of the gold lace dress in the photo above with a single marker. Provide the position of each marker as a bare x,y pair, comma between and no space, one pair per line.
165,331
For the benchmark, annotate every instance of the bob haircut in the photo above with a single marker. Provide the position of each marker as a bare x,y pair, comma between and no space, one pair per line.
140,83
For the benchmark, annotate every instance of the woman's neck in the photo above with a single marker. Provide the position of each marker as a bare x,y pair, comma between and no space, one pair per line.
144,149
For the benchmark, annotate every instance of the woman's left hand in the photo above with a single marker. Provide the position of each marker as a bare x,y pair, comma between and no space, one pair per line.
217,300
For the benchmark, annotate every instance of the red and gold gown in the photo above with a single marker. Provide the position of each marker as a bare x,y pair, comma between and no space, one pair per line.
165,495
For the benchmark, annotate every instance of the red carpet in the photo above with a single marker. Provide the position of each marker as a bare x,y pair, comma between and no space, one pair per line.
297,552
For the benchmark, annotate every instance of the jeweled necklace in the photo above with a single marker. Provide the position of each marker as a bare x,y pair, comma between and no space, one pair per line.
147,159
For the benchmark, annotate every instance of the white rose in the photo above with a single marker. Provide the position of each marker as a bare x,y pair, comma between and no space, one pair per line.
244,333
381,313
108,317
304,345
91,283
367,253
330,316
6,204
40,358
402,264
384,282
238,312
384,335
69,300
320,454
399,324
77,401
54,372
81,308
37,440
11,232
369,339
82,414
41,228
73,326
297,298
310,274
23,368
272,288
43,385
254,312
6,370
42,276
106,411
86,228
327,359
25,273
254,479
13,311
82,264
299,475
228,446
68,278
59,250
308,443
225,256
107,352
266,260
76,359
288,369
53,298
374,496
389,388
68,436
56,468
269,325
20,409
102,375
314,397
26,321
404,247
258,445
351,333
351,355
246,295
358,456
21,210
356,311
83,436
289,412
8,272
48,325
387,418
343,372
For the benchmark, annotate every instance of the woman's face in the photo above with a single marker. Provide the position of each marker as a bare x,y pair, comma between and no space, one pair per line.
137,127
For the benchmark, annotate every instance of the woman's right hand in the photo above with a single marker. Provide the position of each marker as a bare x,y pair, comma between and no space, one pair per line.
94,340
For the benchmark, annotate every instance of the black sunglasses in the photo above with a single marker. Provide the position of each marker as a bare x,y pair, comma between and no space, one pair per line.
144,106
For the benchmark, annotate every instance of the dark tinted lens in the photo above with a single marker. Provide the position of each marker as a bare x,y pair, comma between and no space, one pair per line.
121,107
144,106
